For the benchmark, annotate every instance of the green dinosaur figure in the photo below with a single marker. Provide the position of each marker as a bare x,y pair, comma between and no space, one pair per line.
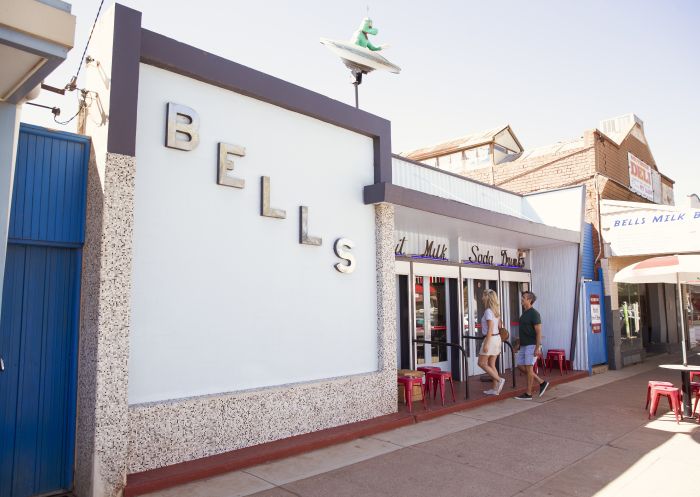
361,38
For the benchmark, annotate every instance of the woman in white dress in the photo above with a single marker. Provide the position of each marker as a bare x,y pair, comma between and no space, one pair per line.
491,345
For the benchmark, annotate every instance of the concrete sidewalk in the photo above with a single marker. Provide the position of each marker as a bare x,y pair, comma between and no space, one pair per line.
589,437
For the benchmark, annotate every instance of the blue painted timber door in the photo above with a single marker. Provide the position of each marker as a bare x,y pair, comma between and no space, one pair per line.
595,323
40,313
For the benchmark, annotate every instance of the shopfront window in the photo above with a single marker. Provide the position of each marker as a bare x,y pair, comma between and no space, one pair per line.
477,305
438,318
695,305
420,321
630,298
513,322
431,319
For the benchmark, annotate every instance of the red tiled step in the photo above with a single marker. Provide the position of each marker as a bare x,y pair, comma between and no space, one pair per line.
185,472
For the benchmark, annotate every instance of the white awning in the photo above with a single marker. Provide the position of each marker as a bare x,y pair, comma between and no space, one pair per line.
636,228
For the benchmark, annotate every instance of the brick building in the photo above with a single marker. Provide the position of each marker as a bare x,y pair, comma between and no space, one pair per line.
605,160
597,159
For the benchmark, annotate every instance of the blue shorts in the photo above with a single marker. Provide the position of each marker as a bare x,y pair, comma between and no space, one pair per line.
525,356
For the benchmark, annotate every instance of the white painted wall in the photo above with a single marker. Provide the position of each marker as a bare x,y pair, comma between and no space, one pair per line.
98,78
559,208
224,299
554,283
9,135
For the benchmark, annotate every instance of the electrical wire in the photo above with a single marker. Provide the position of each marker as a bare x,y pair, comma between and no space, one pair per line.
71,85
81,105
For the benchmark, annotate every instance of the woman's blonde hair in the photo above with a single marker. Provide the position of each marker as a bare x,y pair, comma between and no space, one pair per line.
491,298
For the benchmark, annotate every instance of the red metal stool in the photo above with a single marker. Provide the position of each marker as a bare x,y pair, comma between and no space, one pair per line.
539,359
672,393
535,366
654,383
559,355
695,388
440,377
426,370
408,382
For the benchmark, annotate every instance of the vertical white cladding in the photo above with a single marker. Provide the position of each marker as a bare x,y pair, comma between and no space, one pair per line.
464,190
554,271
560,208
581,358
224,299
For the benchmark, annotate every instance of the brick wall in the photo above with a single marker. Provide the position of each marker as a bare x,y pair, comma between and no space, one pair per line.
598,154
598,163
612,160
546,173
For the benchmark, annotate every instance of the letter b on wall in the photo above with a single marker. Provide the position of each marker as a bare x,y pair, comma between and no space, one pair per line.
182,127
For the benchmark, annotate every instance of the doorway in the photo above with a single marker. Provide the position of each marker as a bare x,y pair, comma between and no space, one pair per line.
432,321
40,313
474,283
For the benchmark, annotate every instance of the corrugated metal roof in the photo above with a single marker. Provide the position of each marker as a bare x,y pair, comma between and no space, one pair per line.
455,144
558,148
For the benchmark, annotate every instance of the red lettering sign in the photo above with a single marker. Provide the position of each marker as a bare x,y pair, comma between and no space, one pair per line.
596,325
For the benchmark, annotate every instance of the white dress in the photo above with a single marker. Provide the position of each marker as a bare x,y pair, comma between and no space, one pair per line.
494,344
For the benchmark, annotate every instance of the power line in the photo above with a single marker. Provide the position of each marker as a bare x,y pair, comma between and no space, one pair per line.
72,85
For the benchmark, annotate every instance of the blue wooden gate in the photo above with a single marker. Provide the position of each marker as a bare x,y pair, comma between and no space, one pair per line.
595,323
40,309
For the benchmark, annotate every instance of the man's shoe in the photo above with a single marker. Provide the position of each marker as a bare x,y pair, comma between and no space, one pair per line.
523,396
501,382
543,387
491,391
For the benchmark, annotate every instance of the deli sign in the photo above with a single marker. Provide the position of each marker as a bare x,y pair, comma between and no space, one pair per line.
641,181
596,322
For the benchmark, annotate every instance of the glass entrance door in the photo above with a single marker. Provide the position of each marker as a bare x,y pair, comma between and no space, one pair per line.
431,321
513,284
474,309
511,310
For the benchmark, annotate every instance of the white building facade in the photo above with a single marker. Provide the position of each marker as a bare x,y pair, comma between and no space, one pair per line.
256,261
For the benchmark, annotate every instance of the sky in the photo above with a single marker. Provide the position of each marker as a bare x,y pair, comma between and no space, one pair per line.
549,68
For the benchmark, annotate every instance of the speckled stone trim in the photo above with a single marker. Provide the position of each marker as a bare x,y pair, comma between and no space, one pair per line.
102,421
166,433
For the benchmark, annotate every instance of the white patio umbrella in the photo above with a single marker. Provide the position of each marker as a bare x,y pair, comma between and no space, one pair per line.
665,269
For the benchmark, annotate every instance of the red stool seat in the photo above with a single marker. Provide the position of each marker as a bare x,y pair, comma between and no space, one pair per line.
654,383
673,395
408,382
426,370
560,356
439,378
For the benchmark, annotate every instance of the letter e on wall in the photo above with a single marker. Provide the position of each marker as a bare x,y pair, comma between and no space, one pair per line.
226,165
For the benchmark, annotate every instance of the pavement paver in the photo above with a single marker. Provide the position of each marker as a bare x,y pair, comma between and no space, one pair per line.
321,460
409,473
428,430
587,438
510,451
234,484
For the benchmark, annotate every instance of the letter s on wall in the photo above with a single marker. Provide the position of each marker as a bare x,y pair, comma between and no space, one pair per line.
341,248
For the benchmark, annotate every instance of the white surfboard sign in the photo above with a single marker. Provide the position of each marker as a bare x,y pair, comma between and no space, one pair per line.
358,58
